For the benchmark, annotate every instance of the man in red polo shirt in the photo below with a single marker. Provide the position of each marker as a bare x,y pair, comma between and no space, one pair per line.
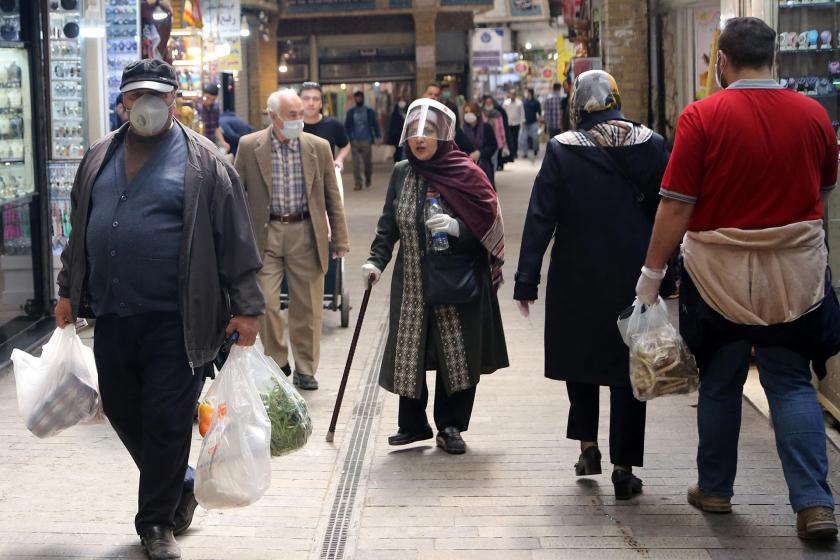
743,187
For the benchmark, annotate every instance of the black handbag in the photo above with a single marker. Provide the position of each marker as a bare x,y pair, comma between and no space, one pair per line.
449,279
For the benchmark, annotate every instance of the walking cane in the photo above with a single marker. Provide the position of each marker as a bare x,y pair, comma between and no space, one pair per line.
343,386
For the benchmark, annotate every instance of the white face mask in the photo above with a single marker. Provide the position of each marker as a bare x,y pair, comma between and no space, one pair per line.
292,129
401,104
470,118
149,115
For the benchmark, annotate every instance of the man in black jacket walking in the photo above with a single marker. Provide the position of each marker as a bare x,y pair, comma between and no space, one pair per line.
162,253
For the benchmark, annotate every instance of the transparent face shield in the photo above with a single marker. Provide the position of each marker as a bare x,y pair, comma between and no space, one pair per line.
428,118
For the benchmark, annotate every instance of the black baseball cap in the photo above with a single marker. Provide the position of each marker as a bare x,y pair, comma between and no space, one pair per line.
149,73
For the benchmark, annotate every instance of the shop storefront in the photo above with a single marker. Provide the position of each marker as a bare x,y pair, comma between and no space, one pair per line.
808,62
25,146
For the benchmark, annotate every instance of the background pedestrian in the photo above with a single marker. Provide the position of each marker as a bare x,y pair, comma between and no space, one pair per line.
461,341
600,231
294,207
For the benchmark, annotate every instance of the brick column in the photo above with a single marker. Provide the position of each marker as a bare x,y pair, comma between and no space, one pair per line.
424,41
625,53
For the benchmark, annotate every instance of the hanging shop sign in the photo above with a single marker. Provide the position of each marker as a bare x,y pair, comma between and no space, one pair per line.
487,47
222,20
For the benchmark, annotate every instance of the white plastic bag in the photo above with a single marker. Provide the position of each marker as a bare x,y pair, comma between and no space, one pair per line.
234,465
660,362
60,388
291,424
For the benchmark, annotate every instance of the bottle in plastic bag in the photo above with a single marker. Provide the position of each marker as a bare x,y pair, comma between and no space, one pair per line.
440,240
234,465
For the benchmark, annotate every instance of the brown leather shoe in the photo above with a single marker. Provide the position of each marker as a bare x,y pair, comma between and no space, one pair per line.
711,504
816,523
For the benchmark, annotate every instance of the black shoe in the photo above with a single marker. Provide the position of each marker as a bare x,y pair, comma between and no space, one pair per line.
286,369
589,462
626,485
404,438
450,440
160,543
305,382
184,513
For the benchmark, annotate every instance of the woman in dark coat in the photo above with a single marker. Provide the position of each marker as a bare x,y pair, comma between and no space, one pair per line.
460,342
395,128
601,231
482,137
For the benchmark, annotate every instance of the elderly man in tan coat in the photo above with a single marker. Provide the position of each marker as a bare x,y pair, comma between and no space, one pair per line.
295,203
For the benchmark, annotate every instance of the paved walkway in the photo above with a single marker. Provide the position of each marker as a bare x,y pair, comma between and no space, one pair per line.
513,496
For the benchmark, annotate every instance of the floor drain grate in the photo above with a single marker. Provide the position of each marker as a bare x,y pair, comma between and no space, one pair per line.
335,538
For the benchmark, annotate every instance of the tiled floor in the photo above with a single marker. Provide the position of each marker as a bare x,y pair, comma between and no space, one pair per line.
513,496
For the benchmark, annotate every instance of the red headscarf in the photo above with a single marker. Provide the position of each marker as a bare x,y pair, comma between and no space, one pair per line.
465,187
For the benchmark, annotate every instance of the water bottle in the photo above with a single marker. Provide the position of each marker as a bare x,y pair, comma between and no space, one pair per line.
440,241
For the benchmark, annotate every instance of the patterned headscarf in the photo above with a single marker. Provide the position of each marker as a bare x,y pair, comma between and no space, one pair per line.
592,92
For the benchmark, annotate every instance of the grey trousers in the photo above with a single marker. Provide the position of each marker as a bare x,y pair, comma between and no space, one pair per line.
362,156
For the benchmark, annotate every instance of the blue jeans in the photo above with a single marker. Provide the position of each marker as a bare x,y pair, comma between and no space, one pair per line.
529,134
797,420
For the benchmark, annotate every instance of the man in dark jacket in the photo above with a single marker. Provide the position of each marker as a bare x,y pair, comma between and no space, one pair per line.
162,253
233,128
363,131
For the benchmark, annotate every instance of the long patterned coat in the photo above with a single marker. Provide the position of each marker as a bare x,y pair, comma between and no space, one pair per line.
465,341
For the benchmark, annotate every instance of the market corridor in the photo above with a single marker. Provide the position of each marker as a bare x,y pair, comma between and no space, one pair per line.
513,496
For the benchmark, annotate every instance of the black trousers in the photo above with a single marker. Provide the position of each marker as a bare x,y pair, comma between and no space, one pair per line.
627,421
514,150
148,394
452,410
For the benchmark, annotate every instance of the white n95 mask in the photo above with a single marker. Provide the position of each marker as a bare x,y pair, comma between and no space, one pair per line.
148,115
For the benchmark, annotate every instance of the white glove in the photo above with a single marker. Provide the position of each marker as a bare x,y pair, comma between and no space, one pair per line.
444,223
647,288
367,270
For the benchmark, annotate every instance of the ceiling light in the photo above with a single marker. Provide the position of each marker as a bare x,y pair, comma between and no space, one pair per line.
283,68
376,84
343,86
528,46
244,30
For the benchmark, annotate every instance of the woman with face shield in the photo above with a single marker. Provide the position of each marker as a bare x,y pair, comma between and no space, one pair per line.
596,195
444,314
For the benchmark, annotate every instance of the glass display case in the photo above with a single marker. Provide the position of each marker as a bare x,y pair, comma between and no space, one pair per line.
809,51
122,29
66,84
10,21
17,183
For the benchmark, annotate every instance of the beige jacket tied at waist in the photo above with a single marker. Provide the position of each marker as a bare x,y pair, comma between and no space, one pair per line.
759,277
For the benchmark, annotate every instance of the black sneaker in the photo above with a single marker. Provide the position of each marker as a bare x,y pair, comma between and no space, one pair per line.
405,437
589,462
450,440
286,369
160,543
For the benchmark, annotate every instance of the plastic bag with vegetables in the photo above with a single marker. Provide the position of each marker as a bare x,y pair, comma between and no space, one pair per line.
660,362
234,465
291,424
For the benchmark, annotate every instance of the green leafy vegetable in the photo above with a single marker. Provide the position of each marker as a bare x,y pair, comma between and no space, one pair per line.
291,424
